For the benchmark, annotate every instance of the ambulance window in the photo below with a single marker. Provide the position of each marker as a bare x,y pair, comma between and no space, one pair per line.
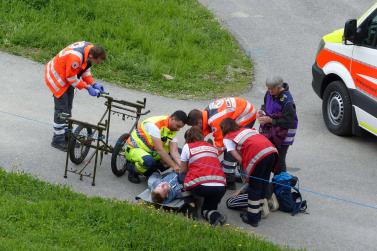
367,31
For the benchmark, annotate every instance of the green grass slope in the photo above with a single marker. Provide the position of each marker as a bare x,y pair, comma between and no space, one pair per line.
35,215
144,39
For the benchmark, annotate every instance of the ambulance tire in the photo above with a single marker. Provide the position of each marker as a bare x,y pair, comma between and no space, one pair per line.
118,160
79,150
337,109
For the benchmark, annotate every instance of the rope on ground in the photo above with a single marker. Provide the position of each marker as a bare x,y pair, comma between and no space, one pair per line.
319,194
26,118
327,196
51,124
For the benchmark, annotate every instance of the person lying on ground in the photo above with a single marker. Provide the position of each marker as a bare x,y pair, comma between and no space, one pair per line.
204,175
258,158
153,145
164,188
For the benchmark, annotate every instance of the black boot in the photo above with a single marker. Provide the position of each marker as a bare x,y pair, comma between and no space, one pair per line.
238,176
216,218
245,219
59,142
133,176
230,181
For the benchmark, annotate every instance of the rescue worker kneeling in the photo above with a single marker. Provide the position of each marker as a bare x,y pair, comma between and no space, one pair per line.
258,157
150,144
204,175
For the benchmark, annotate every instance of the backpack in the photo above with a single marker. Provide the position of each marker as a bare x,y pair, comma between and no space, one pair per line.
287,194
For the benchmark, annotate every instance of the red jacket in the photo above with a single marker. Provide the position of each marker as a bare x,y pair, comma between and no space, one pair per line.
252,146
236,108
203,166
69,68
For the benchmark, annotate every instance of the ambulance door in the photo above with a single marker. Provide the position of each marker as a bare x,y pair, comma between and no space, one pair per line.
364,74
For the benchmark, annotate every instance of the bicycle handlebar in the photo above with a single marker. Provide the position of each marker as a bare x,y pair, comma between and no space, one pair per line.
103,94
145,113
139,104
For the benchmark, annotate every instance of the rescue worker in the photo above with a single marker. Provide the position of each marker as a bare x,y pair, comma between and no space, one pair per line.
68,70
209,120
258,157
150,144
277,117
204,175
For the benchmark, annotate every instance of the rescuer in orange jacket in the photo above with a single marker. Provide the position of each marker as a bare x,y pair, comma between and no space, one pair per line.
209,120
68,70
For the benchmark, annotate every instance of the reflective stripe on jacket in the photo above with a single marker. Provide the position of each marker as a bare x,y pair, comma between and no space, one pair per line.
69,67
141,139
236,108
203,166
252,146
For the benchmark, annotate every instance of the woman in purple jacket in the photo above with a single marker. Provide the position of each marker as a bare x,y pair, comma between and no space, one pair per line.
278,118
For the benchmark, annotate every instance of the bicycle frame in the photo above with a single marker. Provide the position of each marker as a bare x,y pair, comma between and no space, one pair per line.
138,107
121,107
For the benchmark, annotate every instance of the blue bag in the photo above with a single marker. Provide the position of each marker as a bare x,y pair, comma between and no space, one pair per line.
288,194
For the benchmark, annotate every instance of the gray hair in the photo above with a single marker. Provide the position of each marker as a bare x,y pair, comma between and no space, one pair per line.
275,81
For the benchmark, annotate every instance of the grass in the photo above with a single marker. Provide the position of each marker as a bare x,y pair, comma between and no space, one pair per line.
35,215
144,39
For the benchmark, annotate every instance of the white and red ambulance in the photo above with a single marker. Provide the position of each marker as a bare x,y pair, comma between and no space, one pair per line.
345,76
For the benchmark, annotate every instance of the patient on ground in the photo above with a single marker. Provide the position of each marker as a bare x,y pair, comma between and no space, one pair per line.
164,188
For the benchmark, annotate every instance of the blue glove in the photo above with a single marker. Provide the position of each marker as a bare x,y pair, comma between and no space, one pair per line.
93,92
98,87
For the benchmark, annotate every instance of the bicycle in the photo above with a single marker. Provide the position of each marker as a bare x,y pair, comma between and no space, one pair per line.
87,136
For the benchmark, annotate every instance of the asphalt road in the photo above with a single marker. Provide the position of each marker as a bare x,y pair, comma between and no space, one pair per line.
281,37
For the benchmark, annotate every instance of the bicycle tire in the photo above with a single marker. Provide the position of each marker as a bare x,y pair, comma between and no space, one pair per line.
77,150
118,160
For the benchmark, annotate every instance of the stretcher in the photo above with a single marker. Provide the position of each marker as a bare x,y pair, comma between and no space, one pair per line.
177,204
184,203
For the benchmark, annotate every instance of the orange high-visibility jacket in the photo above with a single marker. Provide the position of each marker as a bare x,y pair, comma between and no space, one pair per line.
236,108
69,68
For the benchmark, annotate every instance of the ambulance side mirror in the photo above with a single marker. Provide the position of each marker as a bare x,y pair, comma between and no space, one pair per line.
350,31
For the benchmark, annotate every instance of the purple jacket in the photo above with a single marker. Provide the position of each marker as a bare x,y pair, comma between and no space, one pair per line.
282,110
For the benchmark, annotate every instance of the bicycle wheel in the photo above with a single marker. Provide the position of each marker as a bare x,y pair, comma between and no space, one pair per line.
118,160
79,148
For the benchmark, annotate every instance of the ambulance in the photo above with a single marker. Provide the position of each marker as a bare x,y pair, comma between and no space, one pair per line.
345,76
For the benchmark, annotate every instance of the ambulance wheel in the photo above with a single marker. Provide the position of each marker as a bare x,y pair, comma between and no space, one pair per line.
337,109
80,144
118,160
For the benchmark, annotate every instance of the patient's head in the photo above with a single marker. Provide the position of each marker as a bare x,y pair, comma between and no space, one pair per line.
160,192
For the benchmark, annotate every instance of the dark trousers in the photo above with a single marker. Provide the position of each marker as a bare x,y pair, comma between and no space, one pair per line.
283,149
156,166
229,167
240,201
258,188
62,105
212,196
